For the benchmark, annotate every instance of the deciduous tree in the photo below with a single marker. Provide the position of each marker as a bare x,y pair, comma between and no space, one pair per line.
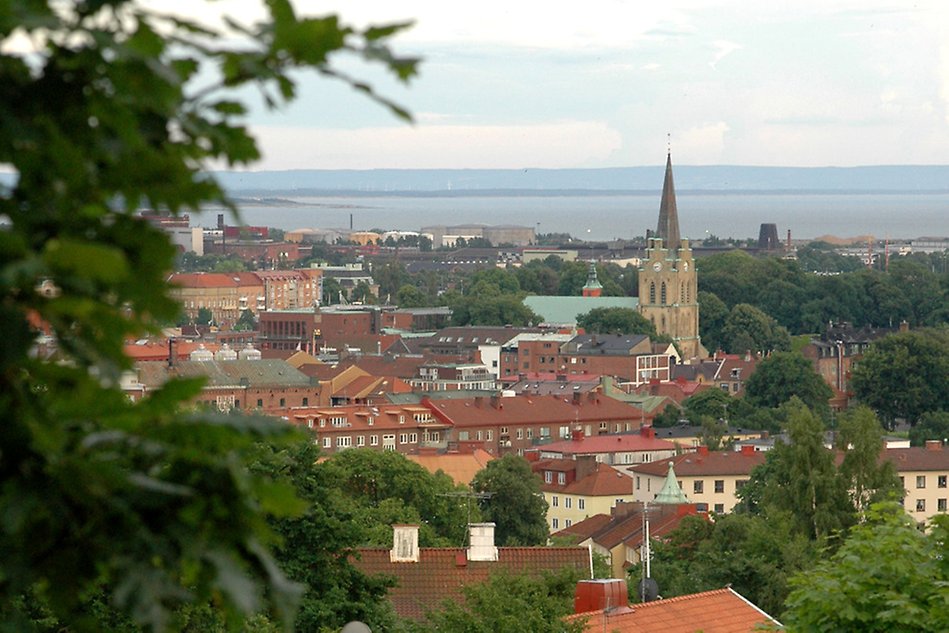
785,375
516,504
616,321
121,106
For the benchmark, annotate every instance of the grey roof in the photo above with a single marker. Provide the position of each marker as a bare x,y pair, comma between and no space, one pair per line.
565,310
224,373
603,344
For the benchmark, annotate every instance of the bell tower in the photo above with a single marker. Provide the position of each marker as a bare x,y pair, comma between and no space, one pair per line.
667,278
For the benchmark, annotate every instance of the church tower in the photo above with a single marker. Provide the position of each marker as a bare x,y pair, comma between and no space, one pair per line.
667,278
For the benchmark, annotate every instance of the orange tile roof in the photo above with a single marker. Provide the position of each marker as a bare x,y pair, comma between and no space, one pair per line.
719,611
441,573
461,467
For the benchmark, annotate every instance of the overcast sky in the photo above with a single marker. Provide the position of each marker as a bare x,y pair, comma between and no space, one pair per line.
600,83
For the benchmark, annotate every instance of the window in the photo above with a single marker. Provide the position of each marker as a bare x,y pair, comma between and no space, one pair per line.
388,442
740,484
920,505
283,402
554,523
652,292
941,505
567,503
327,442
567,522
719,485
548,477
462,436
260,403
519,433
719,508
530,434
344,442
504,431
373,440
361,440
662,294
941,481
561,478
637,482
309,423
403,438
920,481
413,438
489,435
306,401
554,501
582,503
697,486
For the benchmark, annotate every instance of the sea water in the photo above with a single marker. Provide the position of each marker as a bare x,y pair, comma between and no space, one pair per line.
615,216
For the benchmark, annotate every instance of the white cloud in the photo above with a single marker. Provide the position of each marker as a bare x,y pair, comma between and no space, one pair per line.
565,144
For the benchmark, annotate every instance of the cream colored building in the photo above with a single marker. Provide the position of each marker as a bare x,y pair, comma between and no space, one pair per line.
924,473
710,479
581,488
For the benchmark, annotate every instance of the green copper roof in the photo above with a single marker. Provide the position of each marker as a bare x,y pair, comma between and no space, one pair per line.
564,310
671,492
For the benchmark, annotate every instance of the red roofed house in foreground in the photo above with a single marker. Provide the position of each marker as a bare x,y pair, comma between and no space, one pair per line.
428,576
601,606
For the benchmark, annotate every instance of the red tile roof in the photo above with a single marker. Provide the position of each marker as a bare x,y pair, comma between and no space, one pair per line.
552,410
918,458
719,611
602,482
697,464
441,573
627,443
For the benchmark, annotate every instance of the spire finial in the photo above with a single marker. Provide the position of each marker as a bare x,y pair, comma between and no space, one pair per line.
669,143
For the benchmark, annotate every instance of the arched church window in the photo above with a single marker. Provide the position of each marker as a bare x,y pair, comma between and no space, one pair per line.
662,294
688,293
652,292
682,292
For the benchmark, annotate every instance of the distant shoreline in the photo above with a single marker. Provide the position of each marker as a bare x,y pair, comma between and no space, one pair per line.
288,197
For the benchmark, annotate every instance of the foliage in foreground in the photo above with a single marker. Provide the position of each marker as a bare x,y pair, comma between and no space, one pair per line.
888,576
149,508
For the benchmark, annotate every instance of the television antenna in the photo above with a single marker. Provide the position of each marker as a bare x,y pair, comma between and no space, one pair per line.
467,495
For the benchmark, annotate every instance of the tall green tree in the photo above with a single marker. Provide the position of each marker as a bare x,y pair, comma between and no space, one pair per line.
800,479
616,321
888,576
515,504
120,106
931,426
867,479
903,376
785,375
749,329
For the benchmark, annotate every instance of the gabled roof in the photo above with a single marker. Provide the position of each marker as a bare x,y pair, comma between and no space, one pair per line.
224,373
604,481
552,410
918,458
625,443
461,467
625,524
718,611
441,573
607,344
699,465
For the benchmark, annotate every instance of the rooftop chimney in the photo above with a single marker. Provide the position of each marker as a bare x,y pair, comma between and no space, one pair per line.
933,445
602,593
404,544
481,542
747,449
647,432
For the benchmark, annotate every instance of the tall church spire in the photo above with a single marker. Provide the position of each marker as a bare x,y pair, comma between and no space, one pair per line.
668,228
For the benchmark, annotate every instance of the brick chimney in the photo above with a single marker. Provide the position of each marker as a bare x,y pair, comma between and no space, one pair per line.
601,593
747,449
586,464
404,544
647,432
577,434
933,445
481,542
702,450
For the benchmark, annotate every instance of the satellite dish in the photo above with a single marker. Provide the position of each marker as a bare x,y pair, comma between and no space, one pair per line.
648,590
